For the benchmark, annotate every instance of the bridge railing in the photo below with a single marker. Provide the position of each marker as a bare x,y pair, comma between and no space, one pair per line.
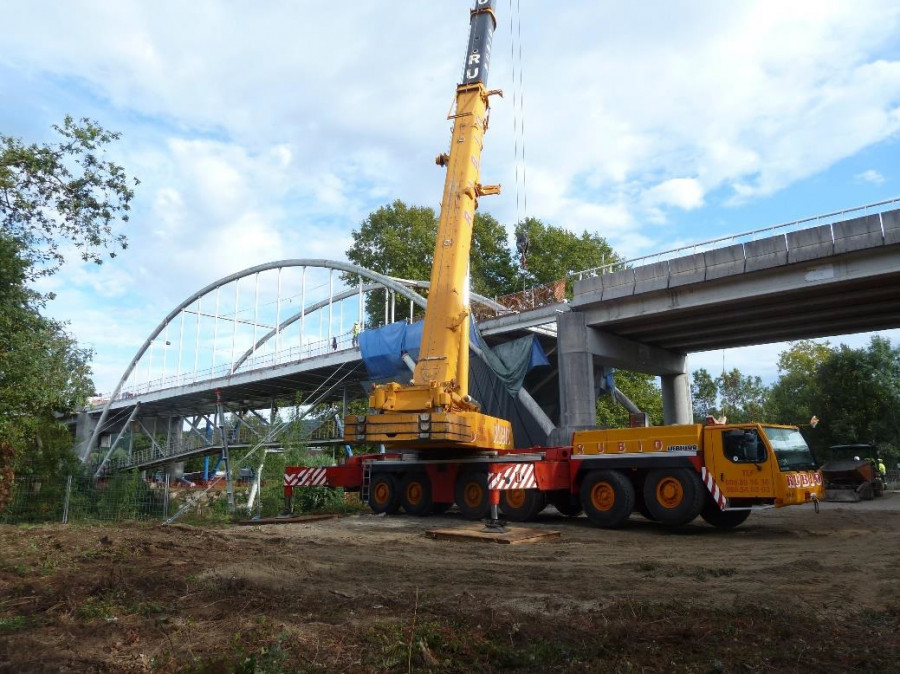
293,354
743,237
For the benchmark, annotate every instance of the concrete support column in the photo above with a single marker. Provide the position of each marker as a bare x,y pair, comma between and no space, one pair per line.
676,395
577,391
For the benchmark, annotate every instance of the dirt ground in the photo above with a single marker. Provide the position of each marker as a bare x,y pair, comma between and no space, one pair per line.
789,590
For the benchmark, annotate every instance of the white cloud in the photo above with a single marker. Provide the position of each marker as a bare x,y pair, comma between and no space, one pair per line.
271,130
683,193
870,176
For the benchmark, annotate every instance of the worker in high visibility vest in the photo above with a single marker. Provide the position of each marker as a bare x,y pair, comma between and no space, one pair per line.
356,331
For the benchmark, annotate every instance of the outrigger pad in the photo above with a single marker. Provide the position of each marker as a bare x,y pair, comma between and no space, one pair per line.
477,533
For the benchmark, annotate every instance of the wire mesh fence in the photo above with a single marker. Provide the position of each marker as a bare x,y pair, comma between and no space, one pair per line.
157,497
62,498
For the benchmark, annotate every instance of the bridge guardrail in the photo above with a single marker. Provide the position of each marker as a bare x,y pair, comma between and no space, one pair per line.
744,237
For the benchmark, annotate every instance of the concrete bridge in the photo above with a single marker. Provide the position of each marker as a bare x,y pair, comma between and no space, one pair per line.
261,338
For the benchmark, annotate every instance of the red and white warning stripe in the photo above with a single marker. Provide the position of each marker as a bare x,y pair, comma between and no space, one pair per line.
710,483
515,476
306,477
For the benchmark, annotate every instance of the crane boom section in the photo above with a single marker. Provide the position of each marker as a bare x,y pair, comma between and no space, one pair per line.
445,336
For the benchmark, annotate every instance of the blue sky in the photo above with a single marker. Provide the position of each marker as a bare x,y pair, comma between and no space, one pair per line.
269,131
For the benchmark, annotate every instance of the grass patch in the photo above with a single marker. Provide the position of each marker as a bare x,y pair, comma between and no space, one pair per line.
13,624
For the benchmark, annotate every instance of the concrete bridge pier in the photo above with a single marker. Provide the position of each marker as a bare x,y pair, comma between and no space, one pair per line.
678,407
583,353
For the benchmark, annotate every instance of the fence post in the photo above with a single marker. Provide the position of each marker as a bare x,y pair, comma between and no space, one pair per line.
65,517
166,499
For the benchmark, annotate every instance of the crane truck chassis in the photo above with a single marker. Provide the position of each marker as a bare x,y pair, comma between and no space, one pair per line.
669,474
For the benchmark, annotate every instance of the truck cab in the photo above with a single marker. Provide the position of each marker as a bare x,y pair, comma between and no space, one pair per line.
761,464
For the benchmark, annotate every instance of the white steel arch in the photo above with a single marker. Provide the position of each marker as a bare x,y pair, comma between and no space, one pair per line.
379,281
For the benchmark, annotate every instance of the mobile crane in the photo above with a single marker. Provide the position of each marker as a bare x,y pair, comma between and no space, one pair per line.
443,450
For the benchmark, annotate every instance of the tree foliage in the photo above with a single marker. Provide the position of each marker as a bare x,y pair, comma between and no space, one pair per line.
796,395
860,396
641,389
398,240
740,398
49,194
63,191
555,252
705,395
43,372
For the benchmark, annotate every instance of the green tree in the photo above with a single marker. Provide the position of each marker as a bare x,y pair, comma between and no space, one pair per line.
555,252
492,268
742,398
63,191
398,240
796,395
705,395
860,396
49,194
43,372
641,389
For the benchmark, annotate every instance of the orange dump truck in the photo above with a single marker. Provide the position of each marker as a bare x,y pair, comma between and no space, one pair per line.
669,474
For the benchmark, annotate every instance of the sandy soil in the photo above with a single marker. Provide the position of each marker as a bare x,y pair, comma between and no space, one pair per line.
789,590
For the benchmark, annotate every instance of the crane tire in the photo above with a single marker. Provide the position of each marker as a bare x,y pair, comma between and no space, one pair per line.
607,497
472,497
415,494
565,502
383,494
521,505
722,519
673,496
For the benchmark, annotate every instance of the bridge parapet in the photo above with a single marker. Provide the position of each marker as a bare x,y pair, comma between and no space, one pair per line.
790,247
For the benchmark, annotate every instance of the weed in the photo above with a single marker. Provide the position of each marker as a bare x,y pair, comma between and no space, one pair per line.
13,624
95,609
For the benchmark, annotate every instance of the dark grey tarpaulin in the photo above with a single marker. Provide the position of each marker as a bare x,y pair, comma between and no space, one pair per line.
495,373
490,390
511,361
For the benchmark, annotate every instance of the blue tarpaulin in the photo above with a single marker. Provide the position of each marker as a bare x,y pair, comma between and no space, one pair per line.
382,348
495,378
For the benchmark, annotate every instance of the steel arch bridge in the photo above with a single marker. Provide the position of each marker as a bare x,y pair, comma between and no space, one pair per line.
241,345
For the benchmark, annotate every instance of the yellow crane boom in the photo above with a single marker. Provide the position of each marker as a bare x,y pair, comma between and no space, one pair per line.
435,409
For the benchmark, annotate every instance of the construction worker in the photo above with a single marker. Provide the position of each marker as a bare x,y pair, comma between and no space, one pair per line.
879,463
356,334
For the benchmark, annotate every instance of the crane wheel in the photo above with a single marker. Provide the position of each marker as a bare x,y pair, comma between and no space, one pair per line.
521,505
722,519
673,496
607,497
565,502
471,495
383,494
415,494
